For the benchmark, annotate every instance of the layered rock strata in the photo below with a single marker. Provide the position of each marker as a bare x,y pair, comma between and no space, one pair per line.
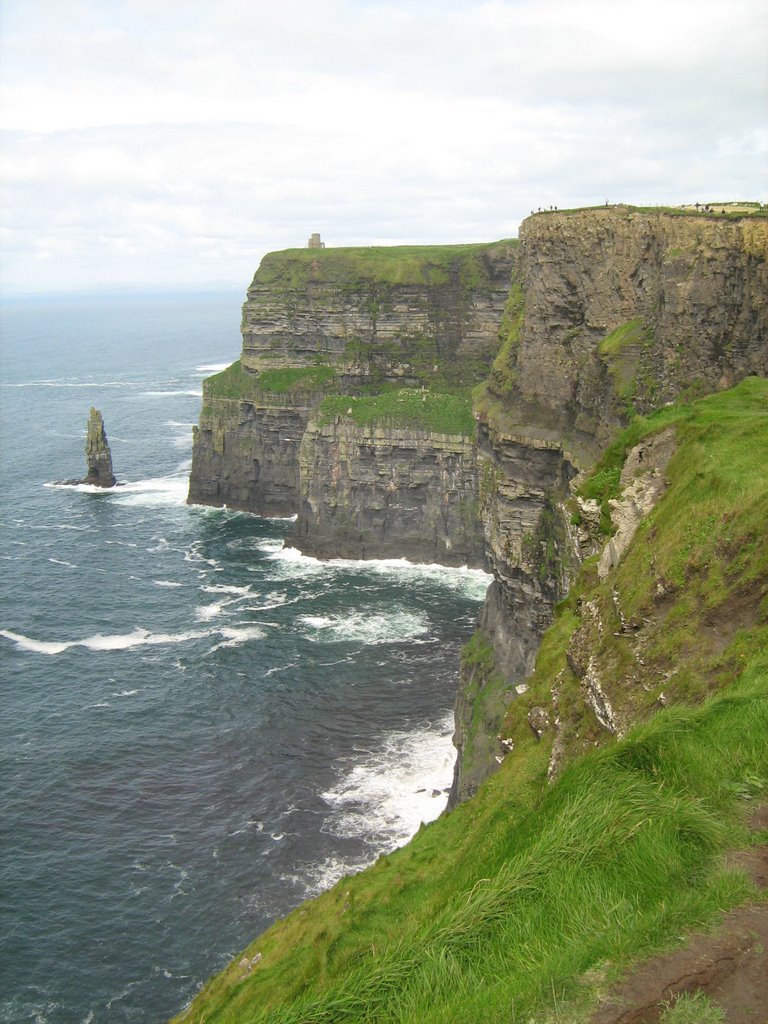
403,315
356,322
613,311
387,493
245,453
625,310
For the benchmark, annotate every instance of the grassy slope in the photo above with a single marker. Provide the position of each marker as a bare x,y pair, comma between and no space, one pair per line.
524,899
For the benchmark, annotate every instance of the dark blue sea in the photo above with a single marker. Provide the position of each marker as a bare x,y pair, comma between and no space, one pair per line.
200,726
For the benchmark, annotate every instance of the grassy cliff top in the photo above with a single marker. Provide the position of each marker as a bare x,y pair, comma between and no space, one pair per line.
523,902
733,210
466,265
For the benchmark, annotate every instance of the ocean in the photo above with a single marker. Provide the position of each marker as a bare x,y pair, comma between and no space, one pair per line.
200,726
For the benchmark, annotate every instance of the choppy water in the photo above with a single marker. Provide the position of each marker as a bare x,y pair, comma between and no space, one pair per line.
200,727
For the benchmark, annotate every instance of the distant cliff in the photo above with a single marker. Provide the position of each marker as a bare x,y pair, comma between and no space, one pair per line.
321,417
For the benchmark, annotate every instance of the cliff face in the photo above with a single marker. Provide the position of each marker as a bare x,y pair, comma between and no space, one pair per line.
404,315
389,493
626,310
319,325
245,452
611,312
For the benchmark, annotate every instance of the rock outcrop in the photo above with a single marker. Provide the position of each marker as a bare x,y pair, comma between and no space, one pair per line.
97,453
404,315
625,310
642,481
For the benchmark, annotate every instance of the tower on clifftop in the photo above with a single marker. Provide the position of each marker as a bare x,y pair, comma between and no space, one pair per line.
314,241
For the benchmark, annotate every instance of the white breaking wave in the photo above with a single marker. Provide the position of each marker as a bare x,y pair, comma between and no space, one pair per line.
139,637
161,490
212,368
471,583
167,583
366,628
384,798
236,635
171,394
207,612
85,488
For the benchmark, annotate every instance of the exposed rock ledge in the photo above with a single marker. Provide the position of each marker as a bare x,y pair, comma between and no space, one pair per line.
643,483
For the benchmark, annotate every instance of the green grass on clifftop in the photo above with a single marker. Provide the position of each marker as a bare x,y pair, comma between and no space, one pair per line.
524,902
458,265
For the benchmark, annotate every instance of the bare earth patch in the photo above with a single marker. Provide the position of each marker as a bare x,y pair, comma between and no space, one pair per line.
730,964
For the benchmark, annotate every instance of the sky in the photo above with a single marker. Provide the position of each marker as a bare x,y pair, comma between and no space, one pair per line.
169,144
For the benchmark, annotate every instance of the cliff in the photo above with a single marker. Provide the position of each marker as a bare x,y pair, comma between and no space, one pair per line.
320,417
405,315
612,312
375,491
350,407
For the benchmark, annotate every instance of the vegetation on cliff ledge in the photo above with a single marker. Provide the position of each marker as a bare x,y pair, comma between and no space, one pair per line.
524,902
404,409
237,383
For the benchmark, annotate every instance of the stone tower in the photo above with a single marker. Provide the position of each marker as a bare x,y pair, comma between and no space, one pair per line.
314,241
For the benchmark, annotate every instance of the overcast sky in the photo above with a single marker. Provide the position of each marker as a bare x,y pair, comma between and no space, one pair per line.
172,144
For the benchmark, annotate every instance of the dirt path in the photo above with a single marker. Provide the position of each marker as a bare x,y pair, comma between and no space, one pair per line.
729,965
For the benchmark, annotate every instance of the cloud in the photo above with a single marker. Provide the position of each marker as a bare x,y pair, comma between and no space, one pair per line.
176,143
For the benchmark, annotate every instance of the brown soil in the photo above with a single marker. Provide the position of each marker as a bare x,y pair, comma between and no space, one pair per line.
730,964
740,611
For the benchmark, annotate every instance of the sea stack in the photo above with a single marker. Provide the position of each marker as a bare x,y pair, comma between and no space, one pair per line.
97,453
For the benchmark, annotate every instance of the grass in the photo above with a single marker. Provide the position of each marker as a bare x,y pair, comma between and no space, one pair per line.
405,408
688,605
234,382
507,908
631,333
503,372
237,383
692,1008
292,379
464,266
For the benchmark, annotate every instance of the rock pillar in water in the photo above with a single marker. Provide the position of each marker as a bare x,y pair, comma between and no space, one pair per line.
97,453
